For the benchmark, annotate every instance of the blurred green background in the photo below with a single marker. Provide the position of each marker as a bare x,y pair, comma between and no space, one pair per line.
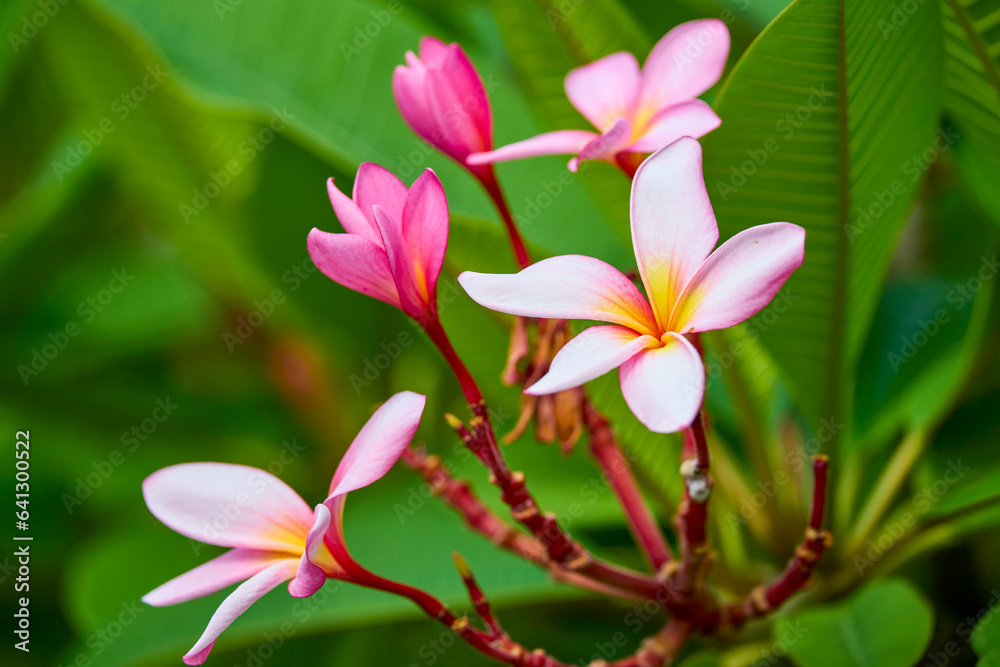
163,162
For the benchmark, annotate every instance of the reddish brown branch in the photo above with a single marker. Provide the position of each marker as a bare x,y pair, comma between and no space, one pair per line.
616,469
798,572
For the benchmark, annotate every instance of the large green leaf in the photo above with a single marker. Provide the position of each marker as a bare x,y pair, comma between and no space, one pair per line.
972,80
804,139
887,624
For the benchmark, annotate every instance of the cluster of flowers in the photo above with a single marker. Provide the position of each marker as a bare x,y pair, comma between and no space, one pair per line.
394,249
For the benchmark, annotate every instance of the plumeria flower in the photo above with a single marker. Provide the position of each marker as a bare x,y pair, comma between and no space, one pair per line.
636,111
273,535
689,289
395,242
442,97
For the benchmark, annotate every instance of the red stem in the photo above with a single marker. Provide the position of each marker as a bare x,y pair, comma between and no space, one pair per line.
608,454
489,180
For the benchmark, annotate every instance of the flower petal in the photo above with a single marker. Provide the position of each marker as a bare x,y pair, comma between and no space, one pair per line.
375,184
664,386
233,566
432,51
350,216
425,227
560,142
673,227
469,88
380,443
615,139
567,287
409,89
590,354
229,505
740,277
311,574
685,63
413,297
354,262
687,119
605,89
238,602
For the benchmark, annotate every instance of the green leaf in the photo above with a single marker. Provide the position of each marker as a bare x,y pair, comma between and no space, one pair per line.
886,624
986,638
803,140
972,81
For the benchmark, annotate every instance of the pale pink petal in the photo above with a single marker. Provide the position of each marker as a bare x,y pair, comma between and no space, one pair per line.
229,505
354,262
590,354
560,142
673,227
664,386
432,51
375,184
311,576
616,139
238,602
566,287
687,119
380,443
350,216
413,296
425,227
685,63
233,566
605,89
740,277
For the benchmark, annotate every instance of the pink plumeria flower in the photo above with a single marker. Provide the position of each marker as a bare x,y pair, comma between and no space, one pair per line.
689,289
636,111
442,97
395,242
274,535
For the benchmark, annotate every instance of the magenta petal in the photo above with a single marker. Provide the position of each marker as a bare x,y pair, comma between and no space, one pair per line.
354,262
740,277
567,287
687,119
238,602
225,570
380,443
350,216
605,89
673,226
433,51
616,139
310,577
664,386
375,184
413,297
229,505
469,88
686,62
425,227
561,142
590,354
410,91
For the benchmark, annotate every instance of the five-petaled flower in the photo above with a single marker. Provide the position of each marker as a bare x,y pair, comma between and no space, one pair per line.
274,535
636,111
689,289
442,97
395,242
